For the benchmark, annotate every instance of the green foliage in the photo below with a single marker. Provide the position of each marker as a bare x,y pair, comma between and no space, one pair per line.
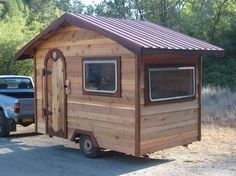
21,21
116,8
42,13
209,20
74,6
11,38
219,72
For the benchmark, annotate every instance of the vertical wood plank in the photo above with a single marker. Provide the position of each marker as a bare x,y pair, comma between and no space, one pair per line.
200,99
35,95
137,106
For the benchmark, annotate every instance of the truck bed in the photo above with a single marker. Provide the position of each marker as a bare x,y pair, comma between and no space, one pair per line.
19,94
24,97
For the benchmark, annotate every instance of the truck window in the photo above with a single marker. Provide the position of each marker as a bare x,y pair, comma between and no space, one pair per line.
15,83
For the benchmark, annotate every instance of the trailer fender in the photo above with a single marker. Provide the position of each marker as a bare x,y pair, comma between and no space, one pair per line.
77,133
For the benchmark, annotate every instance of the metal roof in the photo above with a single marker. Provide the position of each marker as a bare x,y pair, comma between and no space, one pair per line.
141,37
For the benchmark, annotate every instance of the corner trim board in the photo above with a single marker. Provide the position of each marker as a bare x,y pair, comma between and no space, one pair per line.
137,106
35,96
200,99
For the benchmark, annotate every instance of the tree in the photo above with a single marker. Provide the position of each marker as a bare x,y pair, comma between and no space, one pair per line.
209,20
115,8
11,37
75,6
21,20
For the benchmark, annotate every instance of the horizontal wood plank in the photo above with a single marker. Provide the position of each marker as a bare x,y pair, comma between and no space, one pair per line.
173,143
156,129
78,96
101,117
74,35
168,132
86,124
76,43
91,50
169,139
164,108
76,106
168,118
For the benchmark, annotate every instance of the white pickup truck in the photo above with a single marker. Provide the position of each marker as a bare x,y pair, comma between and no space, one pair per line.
16,102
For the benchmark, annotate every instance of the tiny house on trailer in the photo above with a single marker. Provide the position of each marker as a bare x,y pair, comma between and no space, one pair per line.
129,86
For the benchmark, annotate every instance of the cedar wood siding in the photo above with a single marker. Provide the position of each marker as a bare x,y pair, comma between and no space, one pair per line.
169,124
111,119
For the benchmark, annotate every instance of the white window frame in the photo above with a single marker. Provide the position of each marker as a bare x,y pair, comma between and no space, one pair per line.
166,69
100,62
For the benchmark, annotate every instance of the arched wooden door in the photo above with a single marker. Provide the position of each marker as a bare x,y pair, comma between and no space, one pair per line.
54,93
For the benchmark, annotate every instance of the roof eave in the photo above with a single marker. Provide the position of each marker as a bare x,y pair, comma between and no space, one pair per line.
186,52
73,20
28,50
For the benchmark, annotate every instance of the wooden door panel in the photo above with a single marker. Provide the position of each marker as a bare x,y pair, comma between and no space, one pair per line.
58,97
55,97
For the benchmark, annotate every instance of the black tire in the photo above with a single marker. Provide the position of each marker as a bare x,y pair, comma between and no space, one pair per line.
4,130
88,148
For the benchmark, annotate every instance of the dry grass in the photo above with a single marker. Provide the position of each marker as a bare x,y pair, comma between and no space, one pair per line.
219,106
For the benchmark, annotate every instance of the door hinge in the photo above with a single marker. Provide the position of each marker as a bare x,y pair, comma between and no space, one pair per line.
46,72
46,112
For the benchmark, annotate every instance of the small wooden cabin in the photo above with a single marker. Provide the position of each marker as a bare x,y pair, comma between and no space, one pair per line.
129,86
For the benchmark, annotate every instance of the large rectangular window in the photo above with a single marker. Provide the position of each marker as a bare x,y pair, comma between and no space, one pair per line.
171,83
101,76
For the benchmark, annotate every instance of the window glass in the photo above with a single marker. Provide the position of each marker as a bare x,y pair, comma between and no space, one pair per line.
100,76
171,83
15,83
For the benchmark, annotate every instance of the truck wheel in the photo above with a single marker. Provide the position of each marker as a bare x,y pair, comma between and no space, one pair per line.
4,132
88,148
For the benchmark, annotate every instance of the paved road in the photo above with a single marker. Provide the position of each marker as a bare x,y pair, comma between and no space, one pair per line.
38,155
29,154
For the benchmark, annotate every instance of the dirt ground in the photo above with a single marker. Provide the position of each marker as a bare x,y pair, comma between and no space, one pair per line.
27,154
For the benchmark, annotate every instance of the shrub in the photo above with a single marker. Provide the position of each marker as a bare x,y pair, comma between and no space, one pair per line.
219,105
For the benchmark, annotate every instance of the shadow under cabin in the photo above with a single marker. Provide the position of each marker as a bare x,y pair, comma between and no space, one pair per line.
124,85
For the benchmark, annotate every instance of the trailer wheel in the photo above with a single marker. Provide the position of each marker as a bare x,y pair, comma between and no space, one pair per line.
88,148
4,131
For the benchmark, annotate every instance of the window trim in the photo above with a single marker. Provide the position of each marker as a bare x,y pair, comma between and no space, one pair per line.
149,100
116,61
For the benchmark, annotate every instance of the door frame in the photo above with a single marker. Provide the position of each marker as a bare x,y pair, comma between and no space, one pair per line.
54,54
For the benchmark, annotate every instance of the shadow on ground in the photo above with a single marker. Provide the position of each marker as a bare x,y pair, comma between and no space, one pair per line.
20,135
20,159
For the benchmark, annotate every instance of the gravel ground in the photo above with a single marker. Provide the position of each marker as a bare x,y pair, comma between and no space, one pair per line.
26,154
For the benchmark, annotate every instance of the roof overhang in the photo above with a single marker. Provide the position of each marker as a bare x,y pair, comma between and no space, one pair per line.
150,51
28,50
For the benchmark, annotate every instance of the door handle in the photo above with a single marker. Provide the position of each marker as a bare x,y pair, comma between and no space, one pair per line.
67,87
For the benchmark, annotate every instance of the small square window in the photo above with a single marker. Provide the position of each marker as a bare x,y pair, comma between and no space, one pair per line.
101,76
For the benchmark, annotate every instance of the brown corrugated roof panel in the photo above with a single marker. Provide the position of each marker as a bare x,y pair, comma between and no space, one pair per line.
142,38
